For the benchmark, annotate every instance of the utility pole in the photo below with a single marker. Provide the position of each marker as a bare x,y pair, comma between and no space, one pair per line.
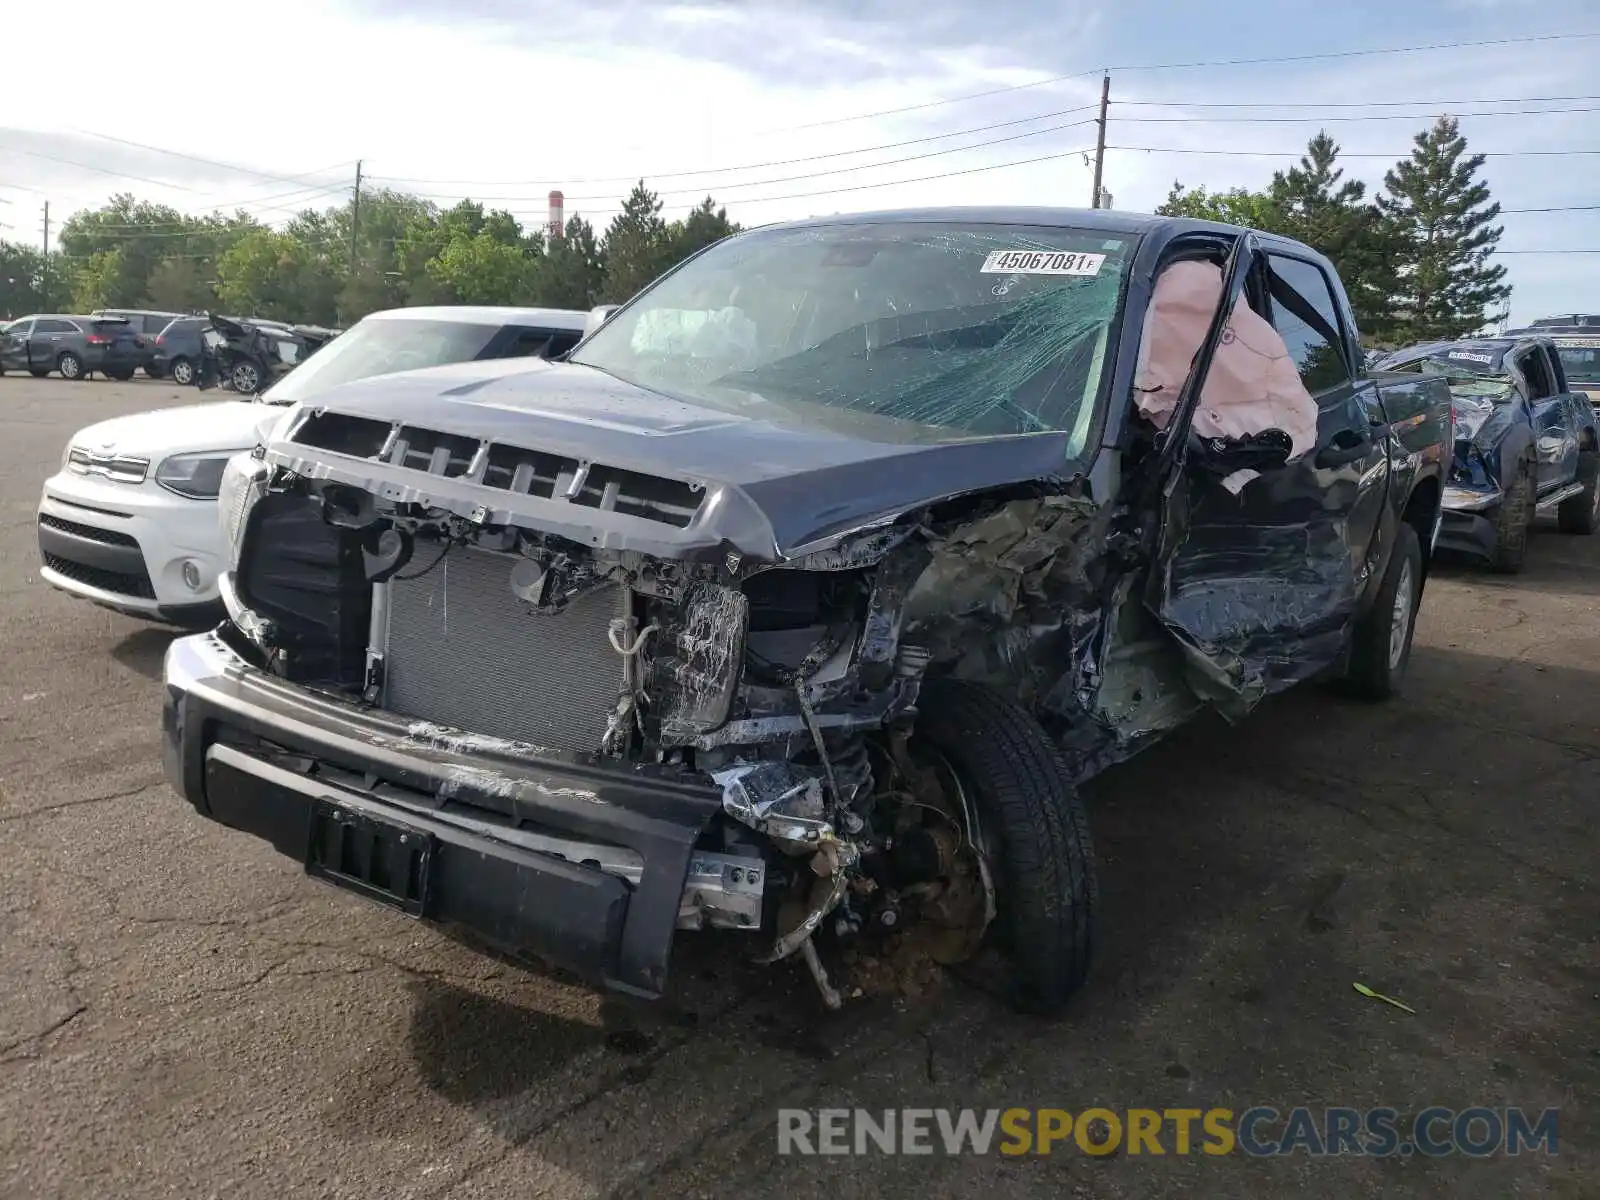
1100,139
44,270
355,218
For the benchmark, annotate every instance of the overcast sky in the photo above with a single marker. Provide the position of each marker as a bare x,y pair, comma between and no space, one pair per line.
504,99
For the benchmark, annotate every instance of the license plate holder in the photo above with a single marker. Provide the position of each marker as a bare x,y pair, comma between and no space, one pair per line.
379,857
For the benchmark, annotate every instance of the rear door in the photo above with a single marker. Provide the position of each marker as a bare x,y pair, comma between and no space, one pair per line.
1555,435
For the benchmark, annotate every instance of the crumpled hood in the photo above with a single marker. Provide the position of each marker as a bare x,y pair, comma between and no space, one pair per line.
806,474
1481,424
229,425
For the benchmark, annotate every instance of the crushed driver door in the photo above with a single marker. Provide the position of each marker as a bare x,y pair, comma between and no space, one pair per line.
1260,586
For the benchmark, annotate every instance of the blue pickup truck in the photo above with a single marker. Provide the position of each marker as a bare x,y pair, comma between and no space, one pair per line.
1525,443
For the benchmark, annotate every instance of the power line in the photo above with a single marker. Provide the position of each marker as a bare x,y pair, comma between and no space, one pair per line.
1275,104
782,162
891,162
1310,120
216,162
1177,66
1342,154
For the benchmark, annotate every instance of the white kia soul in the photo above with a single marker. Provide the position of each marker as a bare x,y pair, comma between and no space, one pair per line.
130,522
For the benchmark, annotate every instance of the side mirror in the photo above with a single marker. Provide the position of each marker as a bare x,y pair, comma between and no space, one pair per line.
598,316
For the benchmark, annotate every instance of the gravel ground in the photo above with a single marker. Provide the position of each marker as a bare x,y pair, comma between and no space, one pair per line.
183,1013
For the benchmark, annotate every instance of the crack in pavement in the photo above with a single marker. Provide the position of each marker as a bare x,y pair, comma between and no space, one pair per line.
80,801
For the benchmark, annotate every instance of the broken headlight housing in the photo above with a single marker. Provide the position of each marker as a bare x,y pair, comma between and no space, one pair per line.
1469,413
244,481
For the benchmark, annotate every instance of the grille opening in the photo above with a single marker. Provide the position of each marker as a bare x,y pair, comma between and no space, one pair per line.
526,472
107,581
611,489
437,453
359,437
92,533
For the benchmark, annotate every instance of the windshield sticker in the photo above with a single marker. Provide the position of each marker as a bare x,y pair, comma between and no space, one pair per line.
1469,356
1042,262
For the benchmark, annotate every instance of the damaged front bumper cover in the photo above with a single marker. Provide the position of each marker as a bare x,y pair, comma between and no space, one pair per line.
1466,520
567,862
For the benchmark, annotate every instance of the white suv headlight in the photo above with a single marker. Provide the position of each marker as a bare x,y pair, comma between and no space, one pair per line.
194,476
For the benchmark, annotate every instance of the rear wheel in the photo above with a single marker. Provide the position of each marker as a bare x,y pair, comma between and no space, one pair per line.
38,372
182,371
1513,523
70,365
120,374
1032,834
246,378
1581,513
1382,645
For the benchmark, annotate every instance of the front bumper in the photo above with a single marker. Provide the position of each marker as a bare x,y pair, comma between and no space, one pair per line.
114,358
124,546
1466,522
568,862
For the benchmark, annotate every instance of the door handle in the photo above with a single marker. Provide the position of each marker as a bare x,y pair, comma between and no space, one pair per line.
1348,446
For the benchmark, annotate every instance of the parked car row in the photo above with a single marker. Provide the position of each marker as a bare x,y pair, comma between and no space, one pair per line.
250,353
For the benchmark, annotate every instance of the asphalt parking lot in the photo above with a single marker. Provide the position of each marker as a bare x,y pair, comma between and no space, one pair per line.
183,1013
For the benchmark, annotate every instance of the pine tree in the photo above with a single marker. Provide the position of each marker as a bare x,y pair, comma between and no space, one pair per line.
1445,219
637,245
1330,213
572,273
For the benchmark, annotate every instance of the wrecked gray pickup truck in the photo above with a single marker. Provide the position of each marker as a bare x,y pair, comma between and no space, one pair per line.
800,598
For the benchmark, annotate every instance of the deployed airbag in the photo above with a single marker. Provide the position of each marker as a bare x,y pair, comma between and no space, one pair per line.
1253,384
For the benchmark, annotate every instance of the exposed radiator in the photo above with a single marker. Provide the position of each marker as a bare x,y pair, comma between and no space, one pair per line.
464,651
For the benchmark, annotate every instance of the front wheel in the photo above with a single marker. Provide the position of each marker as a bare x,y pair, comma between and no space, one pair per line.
1581,513
1382,645
1513,523
1034,835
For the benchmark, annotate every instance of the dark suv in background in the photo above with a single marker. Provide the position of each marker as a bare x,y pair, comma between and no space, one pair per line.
147,323
177,349
76,346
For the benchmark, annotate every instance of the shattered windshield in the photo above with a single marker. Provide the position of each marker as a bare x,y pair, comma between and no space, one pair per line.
898,331
1469,374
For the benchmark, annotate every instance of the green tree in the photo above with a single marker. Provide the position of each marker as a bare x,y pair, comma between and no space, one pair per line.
180,285
705,225
267,274
483,270
572,273
26,286
637,245
98,281
1444,221
1315,204
1237,206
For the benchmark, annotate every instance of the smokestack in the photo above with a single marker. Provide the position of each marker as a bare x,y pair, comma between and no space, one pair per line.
558,224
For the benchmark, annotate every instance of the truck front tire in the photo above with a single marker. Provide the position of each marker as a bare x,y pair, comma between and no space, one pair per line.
1034,828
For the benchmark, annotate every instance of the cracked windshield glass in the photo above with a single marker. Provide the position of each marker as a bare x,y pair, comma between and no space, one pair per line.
899,332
